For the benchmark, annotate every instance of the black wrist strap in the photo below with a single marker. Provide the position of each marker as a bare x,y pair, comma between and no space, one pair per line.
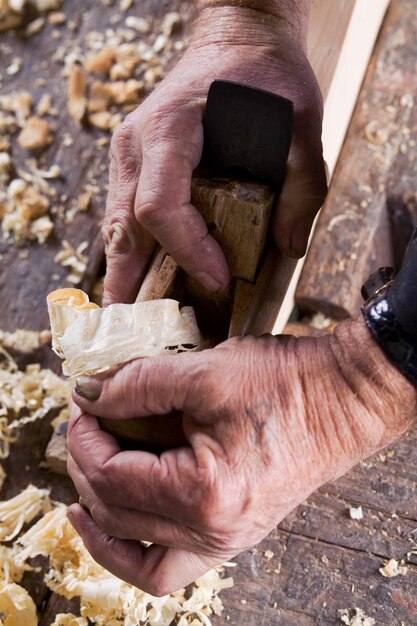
390,312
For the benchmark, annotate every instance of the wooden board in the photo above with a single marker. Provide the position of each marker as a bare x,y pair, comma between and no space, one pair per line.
353,235
324,560
342,36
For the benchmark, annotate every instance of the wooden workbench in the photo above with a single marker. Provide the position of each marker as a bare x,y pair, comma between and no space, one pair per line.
322,560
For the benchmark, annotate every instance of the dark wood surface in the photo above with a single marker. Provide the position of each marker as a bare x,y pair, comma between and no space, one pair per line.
323,561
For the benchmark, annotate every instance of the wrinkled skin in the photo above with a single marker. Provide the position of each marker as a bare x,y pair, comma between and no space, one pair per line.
268,421
156,149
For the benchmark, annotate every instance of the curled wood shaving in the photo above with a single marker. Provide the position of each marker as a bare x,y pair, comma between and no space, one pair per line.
17,607
37,133
77,99
91,339
21,510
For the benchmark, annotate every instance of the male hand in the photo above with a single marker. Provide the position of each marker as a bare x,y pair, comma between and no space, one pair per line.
268,421
156,149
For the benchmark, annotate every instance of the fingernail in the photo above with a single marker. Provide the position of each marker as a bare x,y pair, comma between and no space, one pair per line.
210,282
299,238
88,387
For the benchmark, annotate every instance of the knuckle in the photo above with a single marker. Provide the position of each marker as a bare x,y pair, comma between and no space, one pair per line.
116,233
121,139
124,149
100,480
148,211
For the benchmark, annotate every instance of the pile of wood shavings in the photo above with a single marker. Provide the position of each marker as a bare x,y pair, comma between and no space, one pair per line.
110,71
25,396
104,599
25,195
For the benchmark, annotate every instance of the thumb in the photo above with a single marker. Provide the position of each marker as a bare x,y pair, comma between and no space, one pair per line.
152,386
301,198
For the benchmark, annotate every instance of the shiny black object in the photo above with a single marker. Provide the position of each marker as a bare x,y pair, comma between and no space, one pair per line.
390,312
247,130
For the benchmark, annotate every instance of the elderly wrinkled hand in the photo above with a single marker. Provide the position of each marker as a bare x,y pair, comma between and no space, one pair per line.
157,147
267,420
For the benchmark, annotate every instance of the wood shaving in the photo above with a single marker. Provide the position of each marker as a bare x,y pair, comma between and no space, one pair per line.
35,27
91,339
69,619
57,18
101,61
14,67
77,99
393,568
140,24
19,103
9,18
21,510
44,105
17,607
100,97
171,23
356,513
104,120
125,5
374,134
358,619
74,260
84,201
36,134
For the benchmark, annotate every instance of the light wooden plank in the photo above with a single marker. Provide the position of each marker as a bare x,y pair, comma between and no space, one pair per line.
355,44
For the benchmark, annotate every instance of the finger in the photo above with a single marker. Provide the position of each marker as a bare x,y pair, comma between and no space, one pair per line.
128,246
128,523
302,196
153,386
156,570
163,200
152,484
